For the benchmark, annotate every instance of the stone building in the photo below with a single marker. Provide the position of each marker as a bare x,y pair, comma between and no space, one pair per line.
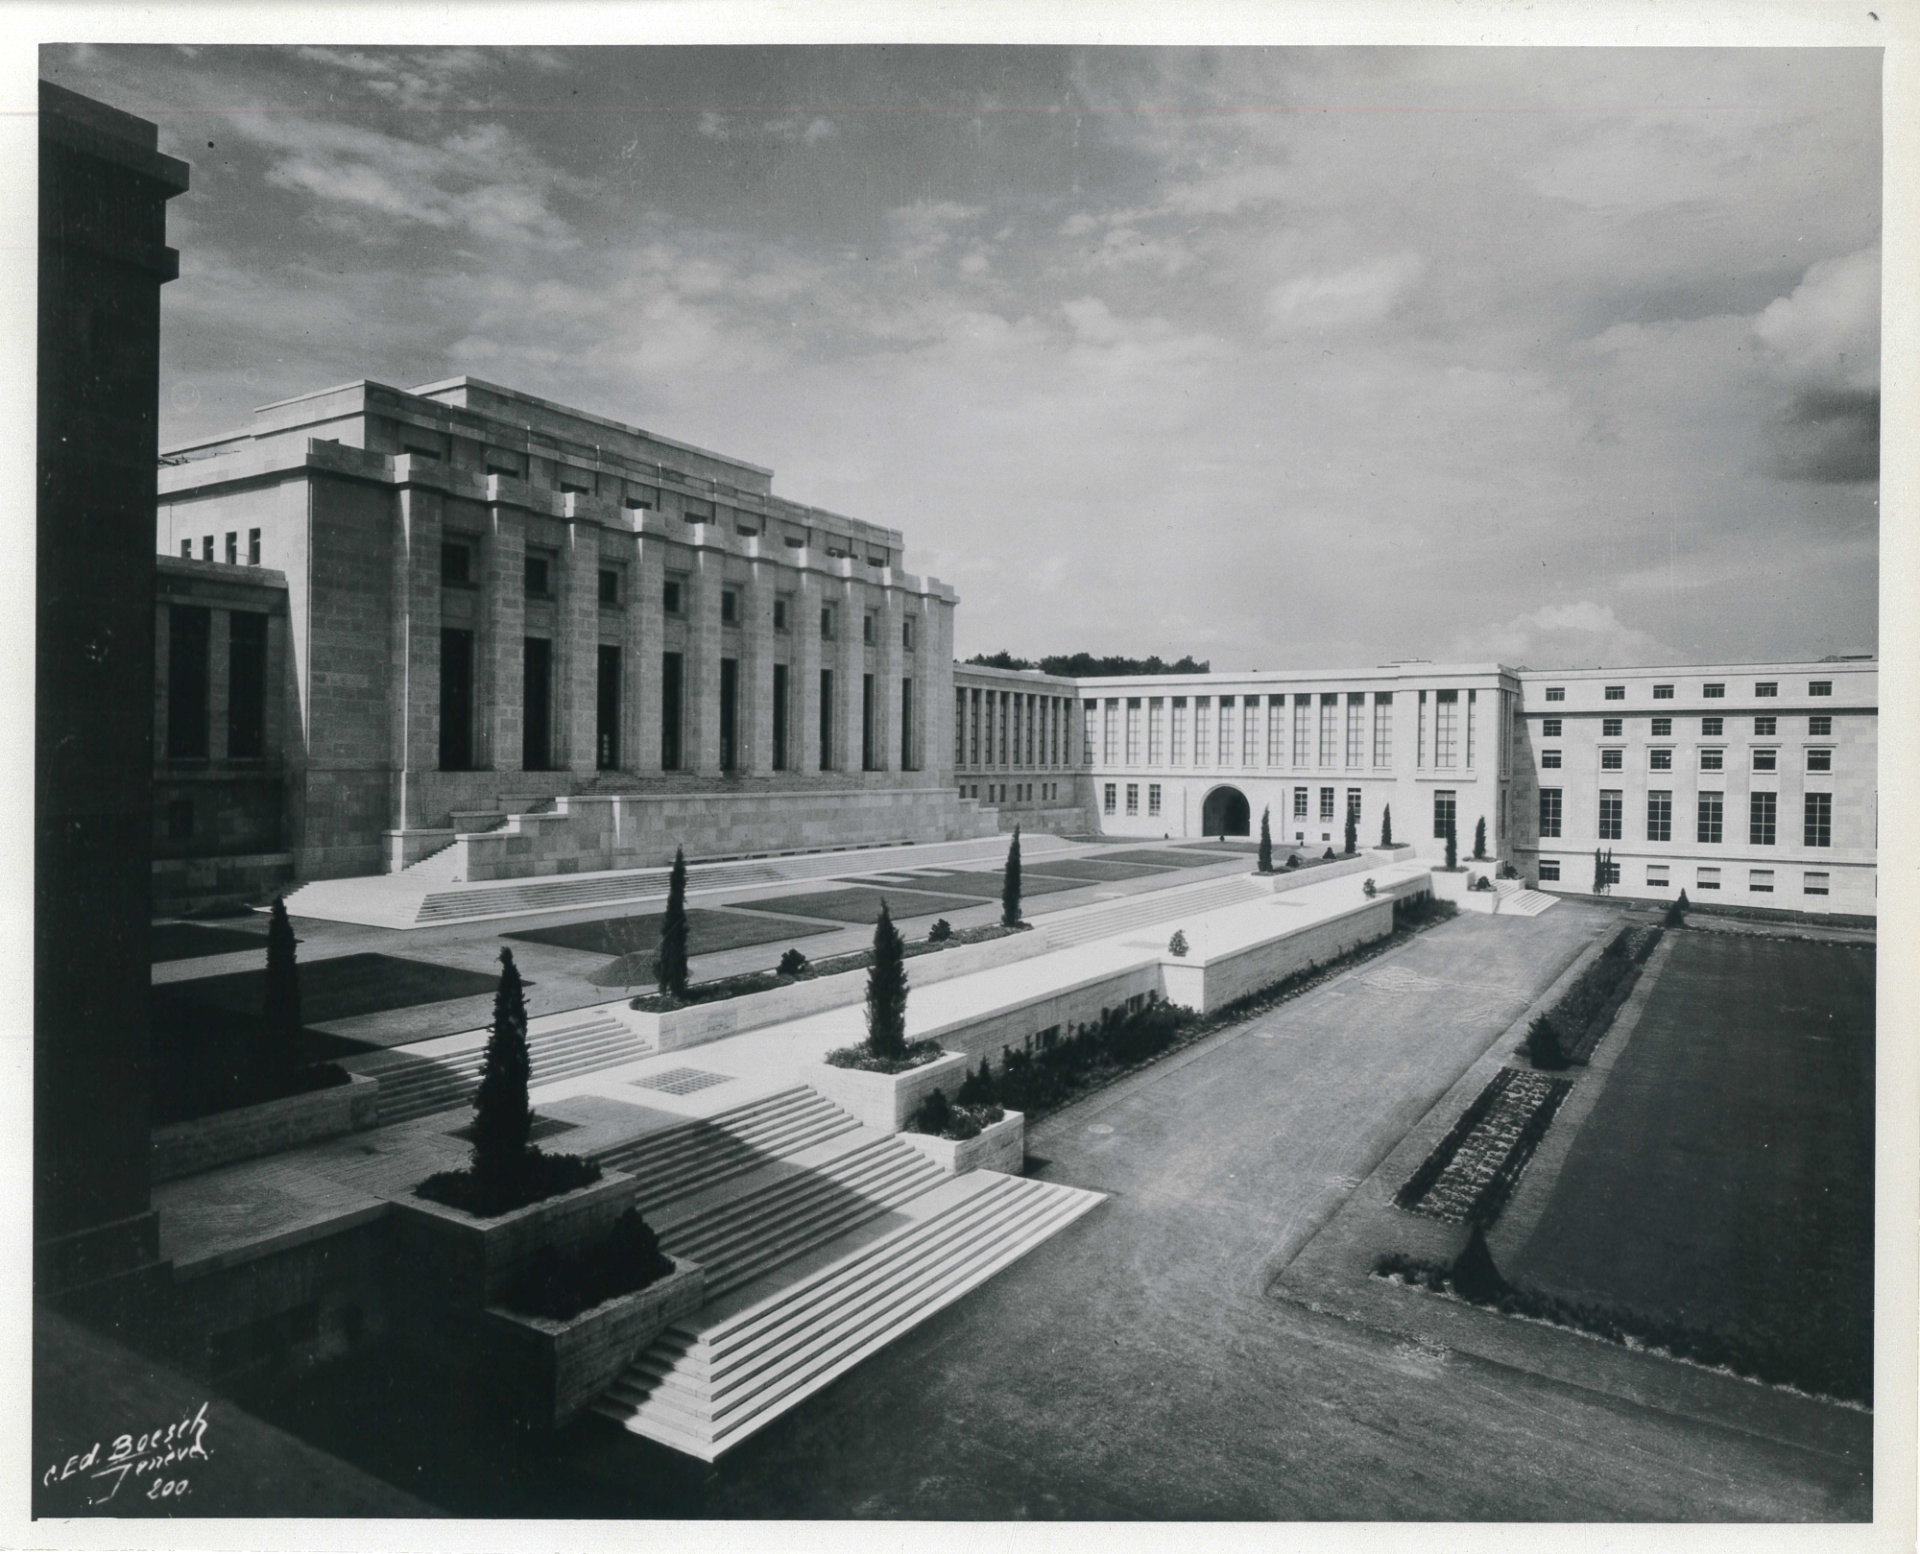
1017,747
492,603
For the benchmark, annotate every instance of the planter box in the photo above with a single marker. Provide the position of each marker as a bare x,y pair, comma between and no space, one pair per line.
729,1016
1284,879
1453,887
248,1132
886,1101
1399,852
1002,1147
547,1371
1204,984
446,1266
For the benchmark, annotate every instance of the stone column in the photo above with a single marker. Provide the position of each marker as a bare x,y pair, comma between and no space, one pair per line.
413,679
889,668
755,712
853,661
579,631
803,727
702,689
219,680
646,636
503,650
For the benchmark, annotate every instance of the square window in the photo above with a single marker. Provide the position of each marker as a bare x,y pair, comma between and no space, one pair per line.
1549,869
1760,881
1712,760
1611,728
1706,879
1616,693
1766,688
1657,876
1662,728
1819,760
729,607
1820,725
1663,693
1815,884
609,586
1765,726
1713,691
1611,760
1766,760
779,615
1550,728
1556,693
672,596
1713,728
1550,760
1820,687
1659,760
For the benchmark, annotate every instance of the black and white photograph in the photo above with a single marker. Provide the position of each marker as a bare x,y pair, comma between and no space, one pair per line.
890,776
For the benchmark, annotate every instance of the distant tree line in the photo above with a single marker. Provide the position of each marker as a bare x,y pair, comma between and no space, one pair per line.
1086,665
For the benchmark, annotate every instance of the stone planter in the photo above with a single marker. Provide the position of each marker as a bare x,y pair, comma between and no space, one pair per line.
445,1266
886,1101
1002,1147
248,1132
1399,852
1205,983
547,1371
1453,887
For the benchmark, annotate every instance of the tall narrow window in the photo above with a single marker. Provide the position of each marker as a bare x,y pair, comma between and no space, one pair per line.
1356,727
1226,730
1299,803
826,721
1249,730
1762,818
1819,820
867,750
1712,817
1202,716
246,686
906,726
780,718
1276,730
1443,812
233,548
1473,706
536,704
1156,719
606,710
1111,748
1659,815
1326,805
1445,707
1383,728
1302,731
1549,812
456,700
1611,814
672,710
1133,731
253,547
189,631
1177,752
1089,738
729,714
1329,735
959,722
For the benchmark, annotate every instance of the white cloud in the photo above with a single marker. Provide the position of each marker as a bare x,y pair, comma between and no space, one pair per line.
1826,335
1360,294
1564,636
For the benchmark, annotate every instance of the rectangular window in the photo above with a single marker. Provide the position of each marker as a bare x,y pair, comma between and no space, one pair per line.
1612,728
1156,718
609,586
606,710
1611,760
1663,693
1090,730
1661,728
1549,870
1611,809
1706,878
1202,717
1550,728
1353,804
909,757
1760,881
253,547
1550,760
1550,811
906,634
1820,687
246,686
206,548
1766,760
1133,798
1445,703
1657,876
1820,726
1766,688
1153,798
1177,753
538,577
1762,811
1819,820
1109,798
1299,803
826,623
780,717
1819,760
1556,693
867,749
1110,745
1766,726
1329,730
1356,726
1249,730
672,710
827,760
1616,693
1659,815
456,563
186,550
1383,728
1712,728
1326,804
1713,691
1712,814
1443,811
1133,731
729,714
1659,760
1712,760
671,596
867,629
1814,884
729,607
456,700
1302,727
536,704
233,548
1276,731
1226,730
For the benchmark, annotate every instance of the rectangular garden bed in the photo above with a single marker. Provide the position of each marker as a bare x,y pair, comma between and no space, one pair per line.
1002,1146
885,1101
1472,1171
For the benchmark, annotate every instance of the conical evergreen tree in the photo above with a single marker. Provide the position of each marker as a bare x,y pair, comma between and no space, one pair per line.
1386,826
1480,838
1474,1273
1010,885
1266,841
670,960
502,1117
280,1047
1453,846
1543,1044
887,990
1677,912
1353,831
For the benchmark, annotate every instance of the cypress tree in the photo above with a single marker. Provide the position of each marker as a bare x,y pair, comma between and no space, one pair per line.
1353,831
1677,912
1480,837
1266,842
1453,846
280,1049
1386,826
502,1117
1010,885
670,960
887,990
1602,871
1474,1275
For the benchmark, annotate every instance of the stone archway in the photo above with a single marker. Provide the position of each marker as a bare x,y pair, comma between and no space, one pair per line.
1226,813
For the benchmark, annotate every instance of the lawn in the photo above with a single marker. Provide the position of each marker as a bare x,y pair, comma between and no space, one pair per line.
1161,859
708,932
1085,869
1724,1180
861,904
985,884
338,989
192,941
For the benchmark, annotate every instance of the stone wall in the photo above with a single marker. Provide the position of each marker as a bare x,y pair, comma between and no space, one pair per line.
1208,985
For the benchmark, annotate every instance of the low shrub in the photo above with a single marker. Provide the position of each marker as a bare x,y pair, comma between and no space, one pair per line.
940,932
916,1055
958,1121
1417,911
1543,1044
1177,945
1479,882
1509,872
1676,914
560,1285
792,964
1293,860
1368,888
541,1176
1327,856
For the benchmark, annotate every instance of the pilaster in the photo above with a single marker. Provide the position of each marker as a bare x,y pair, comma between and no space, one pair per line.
502,650
413,695
580,645
703,662
803,744
755,713
640,739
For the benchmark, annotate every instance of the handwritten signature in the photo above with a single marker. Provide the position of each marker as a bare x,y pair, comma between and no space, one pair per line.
156,1457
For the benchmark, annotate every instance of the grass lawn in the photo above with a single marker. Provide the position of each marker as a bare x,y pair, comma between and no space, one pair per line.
708,932
984,885
861,904
338,989
1156,858
192,941
1090,869
1725,1177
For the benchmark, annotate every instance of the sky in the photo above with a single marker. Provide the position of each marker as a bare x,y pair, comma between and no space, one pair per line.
1284,358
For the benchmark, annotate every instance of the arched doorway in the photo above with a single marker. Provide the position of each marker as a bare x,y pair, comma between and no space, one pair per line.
1225,813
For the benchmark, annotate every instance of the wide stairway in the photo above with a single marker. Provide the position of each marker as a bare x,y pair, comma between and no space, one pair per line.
1515,900
414,1084
821,1241
1084,924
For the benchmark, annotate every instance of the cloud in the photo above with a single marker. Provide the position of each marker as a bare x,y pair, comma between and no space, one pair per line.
1822,345
1564,636
1361,294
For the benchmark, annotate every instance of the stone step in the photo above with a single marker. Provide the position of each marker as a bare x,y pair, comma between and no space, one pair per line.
417,1085
705,1387
738,1241
1526,903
